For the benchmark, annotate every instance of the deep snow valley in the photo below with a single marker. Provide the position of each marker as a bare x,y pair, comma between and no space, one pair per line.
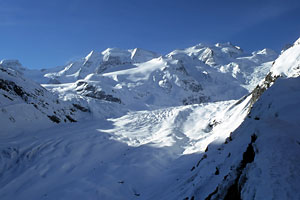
206,122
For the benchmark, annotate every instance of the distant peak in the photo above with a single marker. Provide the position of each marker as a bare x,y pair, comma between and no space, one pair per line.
266,51
226,44
136,50
141,55
238,47
90,55
93,56
199,46
10,62
116,53
112,50
142,51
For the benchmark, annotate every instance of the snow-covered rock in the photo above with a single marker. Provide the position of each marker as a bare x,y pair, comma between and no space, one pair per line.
286,65
25,105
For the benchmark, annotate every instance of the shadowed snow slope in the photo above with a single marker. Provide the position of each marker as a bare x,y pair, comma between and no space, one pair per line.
138,154
25,105
260,160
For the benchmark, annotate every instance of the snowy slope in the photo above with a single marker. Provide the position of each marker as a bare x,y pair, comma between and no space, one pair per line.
229,60
153,83
134,156
291,58
96,62
26,105
287,65
260,160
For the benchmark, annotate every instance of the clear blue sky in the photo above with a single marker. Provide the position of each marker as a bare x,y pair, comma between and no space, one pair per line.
43,34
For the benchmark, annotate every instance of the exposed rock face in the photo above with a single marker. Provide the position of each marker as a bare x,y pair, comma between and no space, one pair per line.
261,88
92,91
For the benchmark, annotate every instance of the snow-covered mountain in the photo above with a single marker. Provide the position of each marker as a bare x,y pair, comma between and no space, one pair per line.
141,79
97,63
25,105
205,122
259,160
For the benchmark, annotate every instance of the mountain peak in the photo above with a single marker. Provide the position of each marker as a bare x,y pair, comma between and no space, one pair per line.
13,64
224,44
113,53
141,55
10,63
92,56
288,63
266,51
